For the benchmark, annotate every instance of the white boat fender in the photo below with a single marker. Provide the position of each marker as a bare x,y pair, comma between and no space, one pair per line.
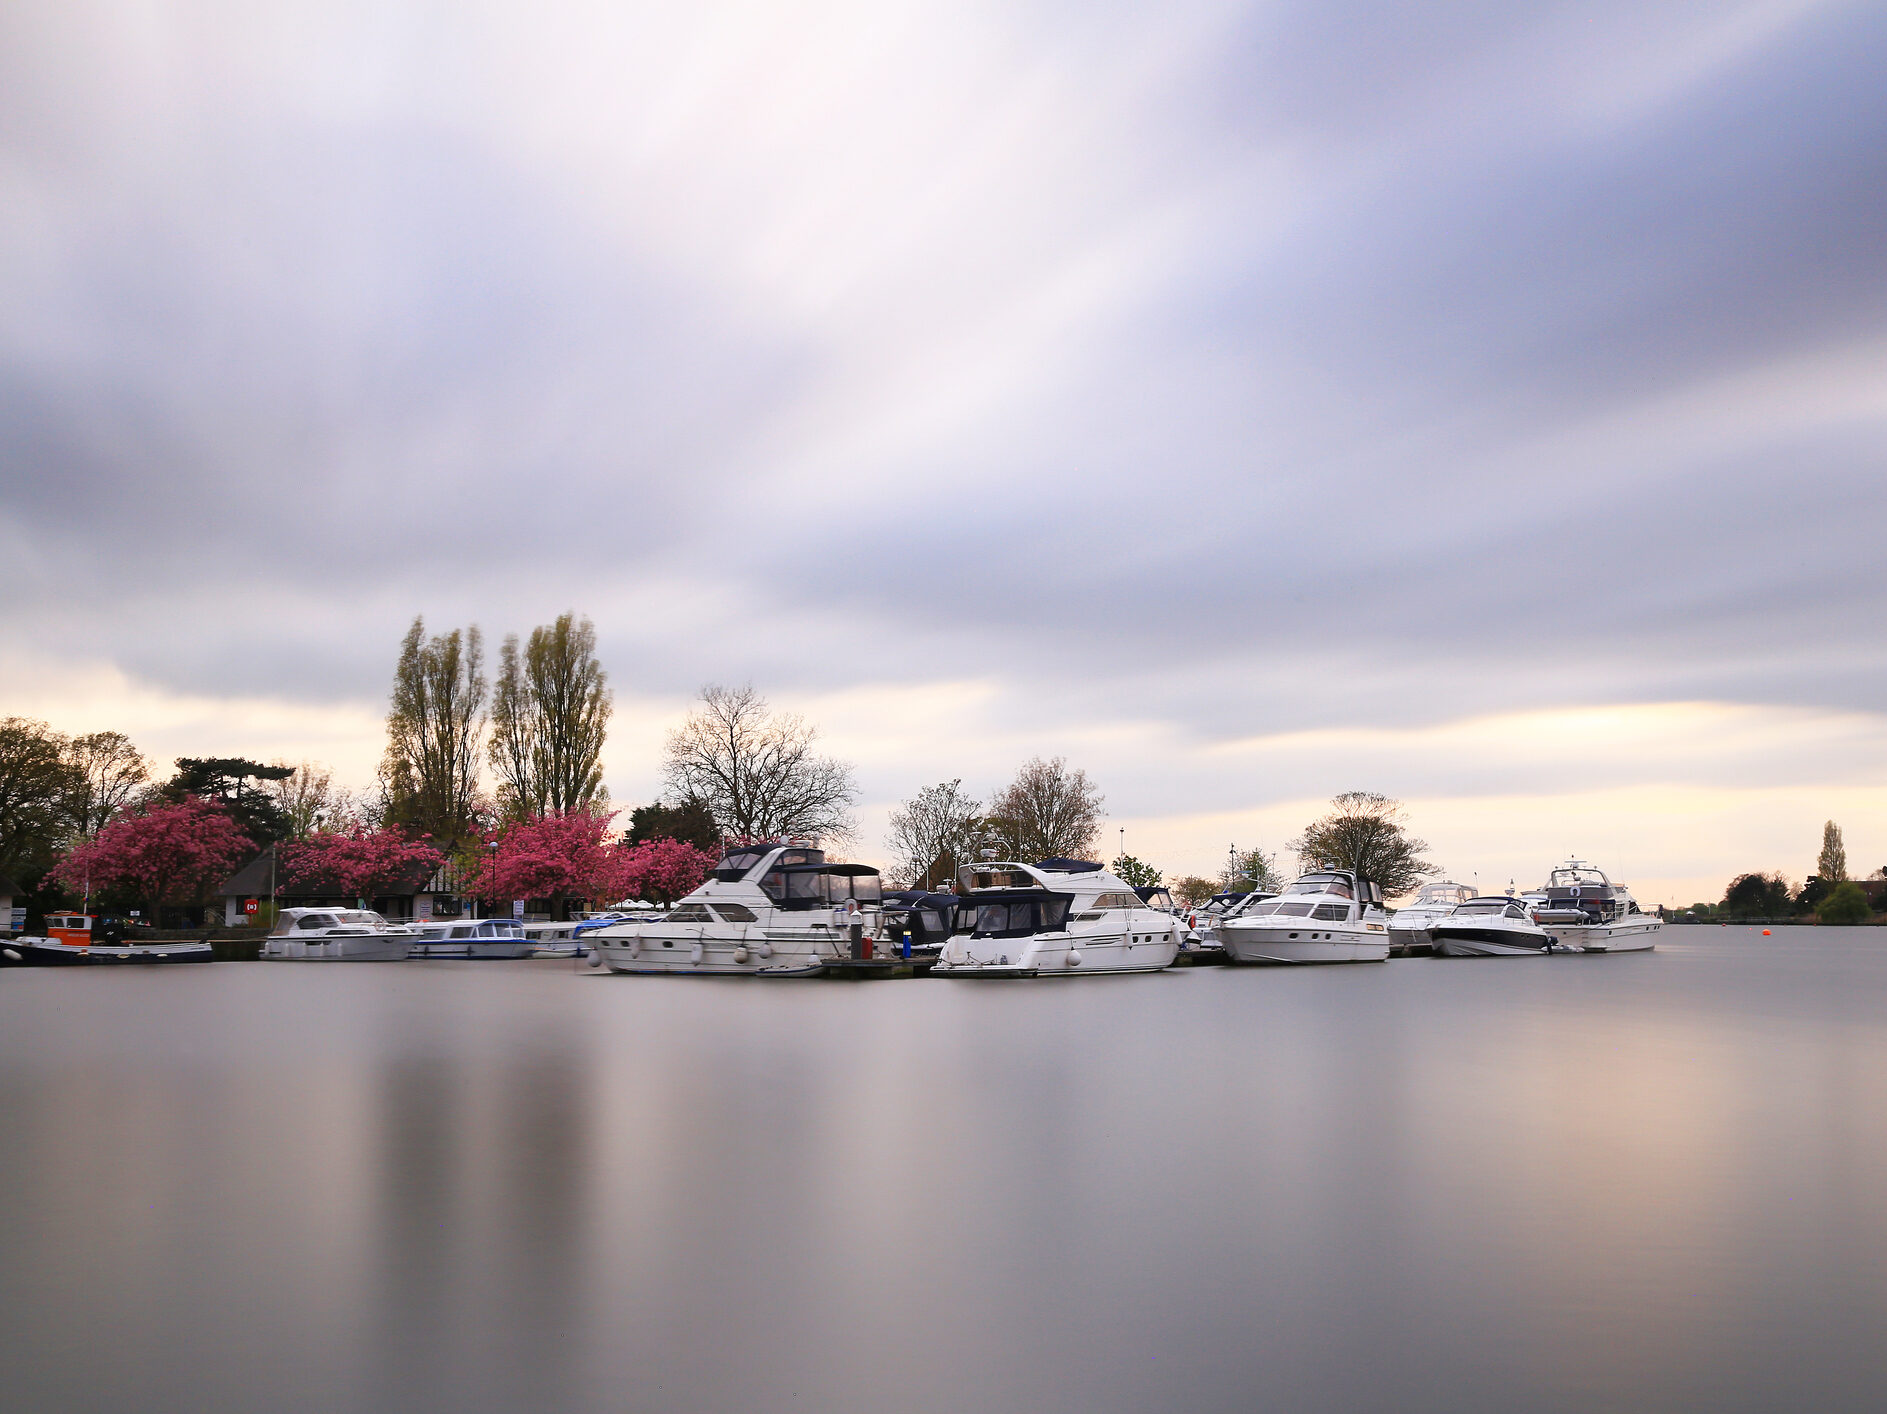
596,959
1074,957
13,954
696,952
740,953
766,950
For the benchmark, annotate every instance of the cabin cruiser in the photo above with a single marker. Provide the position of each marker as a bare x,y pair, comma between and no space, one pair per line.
1054,919
1409,924
1491,926
1326,916
766,910
1586,910
335,935
560,939
472,938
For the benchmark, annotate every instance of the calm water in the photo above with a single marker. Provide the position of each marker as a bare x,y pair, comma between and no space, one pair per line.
1575,1183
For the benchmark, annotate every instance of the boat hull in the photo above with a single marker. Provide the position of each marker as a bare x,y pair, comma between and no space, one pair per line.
1637,934
1488,942
42,952
1253,943
1050,956
1410,942
475,949
364,949
651,951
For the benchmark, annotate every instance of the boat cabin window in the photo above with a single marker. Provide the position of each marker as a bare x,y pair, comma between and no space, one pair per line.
361,917
811,888
1331,912
981,878
1020,917
1322,884
735,912
311,921
690,913
1116,899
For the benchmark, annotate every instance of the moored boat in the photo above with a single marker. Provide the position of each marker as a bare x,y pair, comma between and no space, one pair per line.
1409,924
1491,926
1325,916
1586,910
1058,918
766,910
70,941
335,935
471,939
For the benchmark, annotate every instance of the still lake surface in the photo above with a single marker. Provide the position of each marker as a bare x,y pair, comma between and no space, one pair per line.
1651,1181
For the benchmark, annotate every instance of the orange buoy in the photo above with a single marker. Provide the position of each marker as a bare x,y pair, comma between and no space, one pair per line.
1765,932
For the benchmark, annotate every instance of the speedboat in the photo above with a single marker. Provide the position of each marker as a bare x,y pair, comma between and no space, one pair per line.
1491,926
766,910
1586,910
472,938
335,935
1058,918
1408,925
1326,916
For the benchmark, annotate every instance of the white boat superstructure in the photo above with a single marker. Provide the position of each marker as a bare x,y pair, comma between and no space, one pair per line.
766,910
1586,910
1491,926
472,939
335,935
1409,924
1058,918
1326,916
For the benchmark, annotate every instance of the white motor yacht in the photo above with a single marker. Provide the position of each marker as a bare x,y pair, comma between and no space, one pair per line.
1326,916
1058,918
335,935
1408,925
472,938
1491,926
766,910
1586,910
559,939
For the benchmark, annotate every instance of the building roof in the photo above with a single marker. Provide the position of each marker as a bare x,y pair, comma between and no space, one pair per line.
9,887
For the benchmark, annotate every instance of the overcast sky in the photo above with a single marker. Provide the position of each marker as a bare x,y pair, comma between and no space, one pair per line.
1481,403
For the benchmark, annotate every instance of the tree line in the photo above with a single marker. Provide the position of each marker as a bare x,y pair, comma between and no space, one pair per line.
1829,895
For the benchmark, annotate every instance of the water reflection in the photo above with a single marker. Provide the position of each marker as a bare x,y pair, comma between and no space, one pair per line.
1545,1183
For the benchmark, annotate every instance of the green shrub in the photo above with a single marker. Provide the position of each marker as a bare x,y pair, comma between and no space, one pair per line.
1845,904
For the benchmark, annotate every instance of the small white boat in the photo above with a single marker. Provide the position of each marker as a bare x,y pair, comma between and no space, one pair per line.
766,910
472,939
1586,910
1327,916
1058,918
1409,924
1493,926
335,935
559,939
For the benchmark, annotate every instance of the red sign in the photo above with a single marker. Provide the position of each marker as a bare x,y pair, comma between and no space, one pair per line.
248,905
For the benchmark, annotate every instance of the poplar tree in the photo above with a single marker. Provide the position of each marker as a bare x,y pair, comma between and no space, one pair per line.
434,732
550,717
1832,866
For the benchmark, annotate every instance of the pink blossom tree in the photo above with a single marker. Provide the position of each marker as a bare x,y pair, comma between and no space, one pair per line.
166,853
556,857
357,861
663,870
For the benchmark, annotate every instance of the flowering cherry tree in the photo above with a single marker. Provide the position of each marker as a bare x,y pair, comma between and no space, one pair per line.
167,853
357,861
665,869
558,857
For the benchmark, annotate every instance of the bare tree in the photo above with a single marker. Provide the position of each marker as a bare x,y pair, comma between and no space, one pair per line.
1047,812
932,833
1832,866
434,731
110,772
571,696
1251,871
1364,834
305,795
756,770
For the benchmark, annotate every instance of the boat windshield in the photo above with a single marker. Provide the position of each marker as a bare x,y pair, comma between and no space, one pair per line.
1442,893
1490,907
361,918
998,877
1322,884
1290,909
813,887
